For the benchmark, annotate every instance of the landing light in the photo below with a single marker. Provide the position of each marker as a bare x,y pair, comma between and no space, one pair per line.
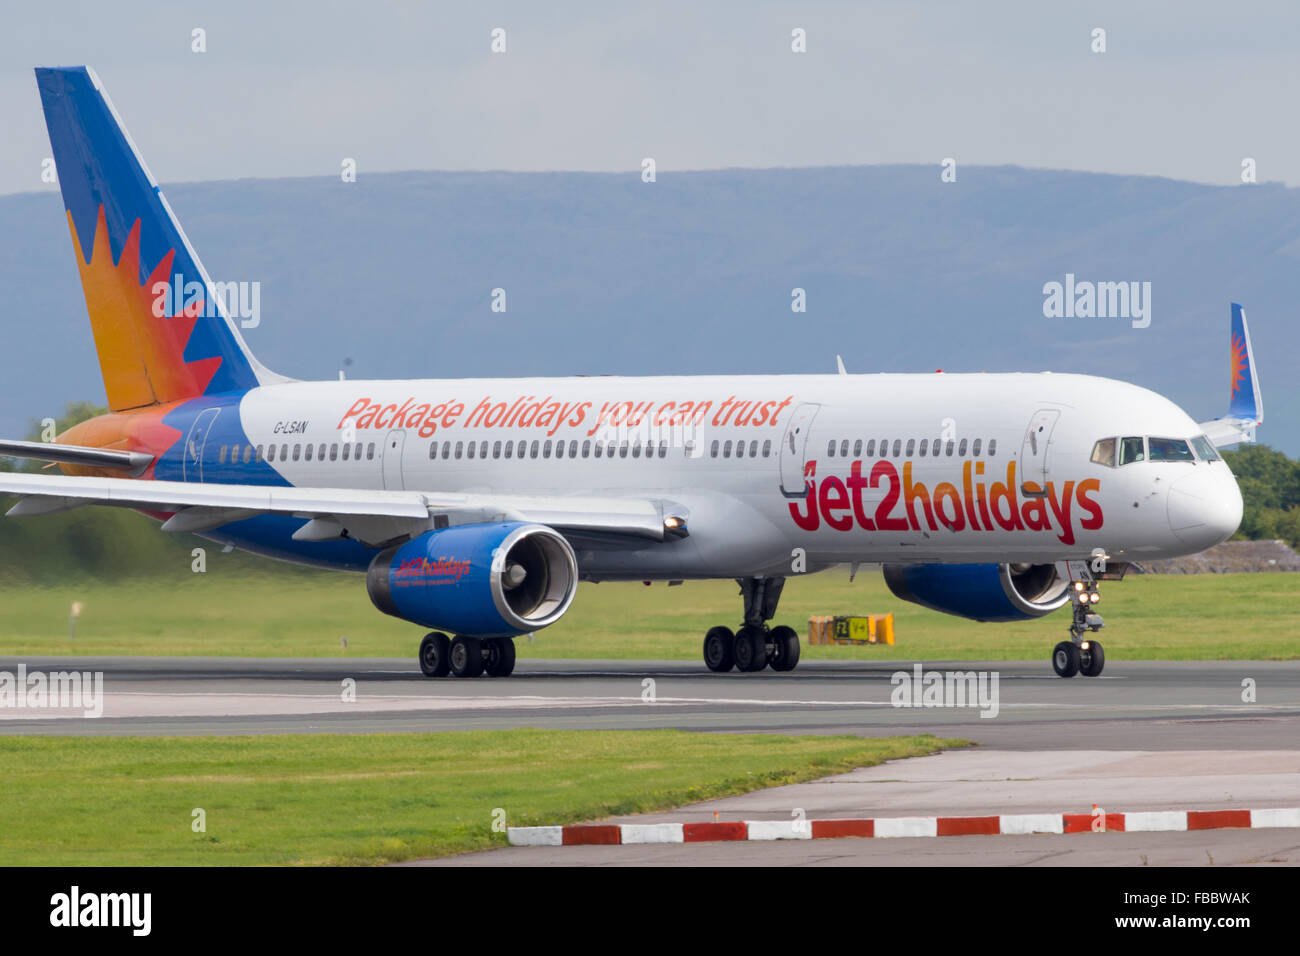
675,526
1078,585
1094,597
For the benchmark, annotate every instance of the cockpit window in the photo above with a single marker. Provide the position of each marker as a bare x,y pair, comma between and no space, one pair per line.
1131,450
1205,449
1169,449
1103,453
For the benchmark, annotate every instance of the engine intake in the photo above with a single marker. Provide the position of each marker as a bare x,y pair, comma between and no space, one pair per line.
479,580
981,592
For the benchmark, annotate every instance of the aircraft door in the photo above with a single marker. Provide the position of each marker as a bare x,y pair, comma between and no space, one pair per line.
394,444
794,445
1033,464
192,463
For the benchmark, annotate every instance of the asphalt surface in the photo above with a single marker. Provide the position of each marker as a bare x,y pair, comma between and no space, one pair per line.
1145,735
1141,705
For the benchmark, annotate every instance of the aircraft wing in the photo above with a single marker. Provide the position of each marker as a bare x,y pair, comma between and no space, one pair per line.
1246,404
373,517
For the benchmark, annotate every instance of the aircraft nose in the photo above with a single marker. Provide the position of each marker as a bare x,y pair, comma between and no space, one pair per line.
1205,506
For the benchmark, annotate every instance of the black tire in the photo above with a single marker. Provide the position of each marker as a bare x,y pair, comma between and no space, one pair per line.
1093,660
500,657
467,657
751,649
435,655
1065,659
719,649
785,653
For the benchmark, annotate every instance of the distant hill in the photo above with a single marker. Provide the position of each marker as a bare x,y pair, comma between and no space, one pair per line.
693,273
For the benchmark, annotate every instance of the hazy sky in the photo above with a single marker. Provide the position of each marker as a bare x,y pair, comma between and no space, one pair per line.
1185,89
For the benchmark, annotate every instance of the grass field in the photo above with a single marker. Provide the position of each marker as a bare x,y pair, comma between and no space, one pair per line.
372,798
1177,617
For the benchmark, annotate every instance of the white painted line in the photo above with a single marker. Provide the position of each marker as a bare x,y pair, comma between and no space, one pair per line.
779,829
1156,820
1275,818
1031,823
652,833
535,836
907,826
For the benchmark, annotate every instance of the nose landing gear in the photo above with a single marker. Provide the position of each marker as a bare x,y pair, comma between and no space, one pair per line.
754,646
1077,655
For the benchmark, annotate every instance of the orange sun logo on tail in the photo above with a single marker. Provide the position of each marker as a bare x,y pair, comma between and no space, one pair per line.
1237,364
141,353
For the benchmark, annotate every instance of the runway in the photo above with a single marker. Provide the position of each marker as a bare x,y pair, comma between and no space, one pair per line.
1143,705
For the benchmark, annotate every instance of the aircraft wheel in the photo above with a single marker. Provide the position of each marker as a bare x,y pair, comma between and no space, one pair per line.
500,657
435,652
751,649
719,653
785,643
1065,659
1092,660
467,657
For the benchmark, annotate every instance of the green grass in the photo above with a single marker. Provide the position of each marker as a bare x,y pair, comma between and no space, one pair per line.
1168,617
323,799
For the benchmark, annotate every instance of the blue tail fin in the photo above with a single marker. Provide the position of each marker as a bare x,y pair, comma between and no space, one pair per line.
1245,399
128,243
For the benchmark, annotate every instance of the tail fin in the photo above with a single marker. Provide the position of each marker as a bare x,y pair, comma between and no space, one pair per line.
1245,401
128,245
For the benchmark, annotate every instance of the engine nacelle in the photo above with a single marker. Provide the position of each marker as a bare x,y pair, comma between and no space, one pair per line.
480,580
982,592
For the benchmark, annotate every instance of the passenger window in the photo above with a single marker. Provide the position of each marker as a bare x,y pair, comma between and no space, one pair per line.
1103,453
221,456
284,453
270,452
767,448
726,449
609,449
334,452
532,452
496,449
975,449
911,447
993,447
446,449
753,448
844,448
898,446
622,450
599,449
510,449
663,448
586,448
257,454
296,450
713,449
1168,449
857,449
433,450
961,449
871,448
950,448
307,456
356,451
460,446
370,451
830,449
884,448
573,449
925,446
636,449
320,452
1131,450
347,450
546,450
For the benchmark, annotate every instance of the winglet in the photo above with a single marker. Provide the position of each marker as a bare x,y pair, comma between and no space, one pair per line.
1245,401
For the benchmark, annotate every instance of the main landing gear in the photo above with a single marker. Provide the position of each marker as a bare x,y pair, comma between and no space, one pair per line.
755,645
1077,655
466,656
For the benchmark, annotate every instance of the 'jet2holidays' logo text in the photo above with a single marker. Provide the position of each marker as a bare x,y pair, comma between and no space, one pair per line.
1098,300
56,690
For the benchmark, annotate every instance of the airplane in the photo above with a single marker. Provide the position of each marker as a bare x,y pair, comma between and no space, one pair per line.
475,506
